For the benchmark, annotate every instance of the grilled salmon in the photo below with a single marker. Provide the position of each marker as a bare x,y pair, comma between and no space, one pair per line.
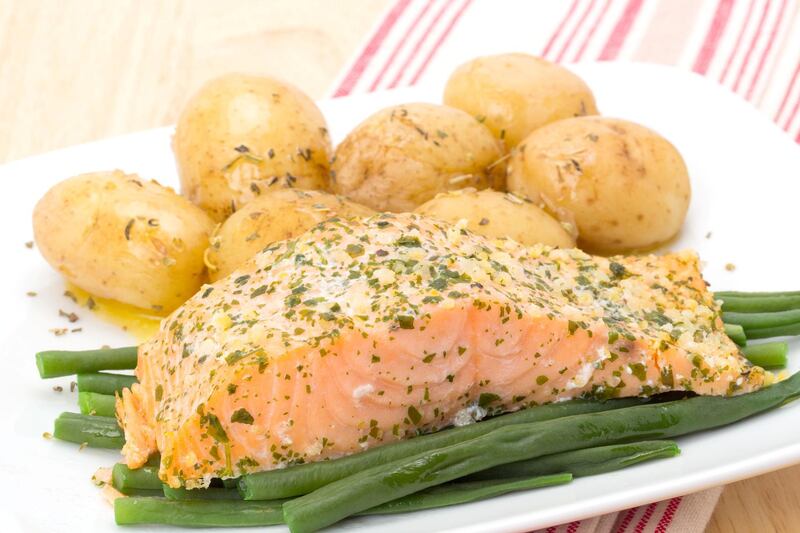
362,332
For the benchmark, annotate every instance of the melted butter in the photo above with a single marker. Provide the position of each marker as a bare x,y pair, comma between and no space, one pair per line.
141,323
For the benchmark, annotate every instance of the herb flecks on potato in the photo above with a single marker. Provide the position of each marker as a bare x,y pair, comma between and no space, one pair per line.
276,215
514,94
497,215
625,186
402,156
120,237
239,136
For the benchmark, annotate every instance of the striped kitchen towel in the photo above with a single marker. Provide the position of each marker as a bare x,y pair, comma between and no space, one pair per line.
685,514
750,46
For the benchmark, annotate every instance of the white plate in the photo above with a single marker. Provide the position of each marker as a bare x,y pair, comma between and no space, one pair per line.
745,189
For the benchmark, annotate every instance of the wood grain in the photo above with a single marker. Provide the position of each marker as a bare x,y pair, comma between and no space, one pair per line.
762,504
73,71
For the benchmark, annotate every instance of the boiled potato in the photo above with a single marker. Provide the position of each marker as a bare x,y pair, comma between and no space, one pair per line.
513,94
403,156
118,236
274,216
242,135
625,186
496,214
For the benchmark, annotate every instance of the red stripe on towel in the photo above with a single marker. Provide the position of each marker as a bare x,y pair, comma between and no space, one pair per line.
624,24
765,53
440,40
560,28
592,31
419,43
358,68
715,31
399,46
575,30
669,514
752,47
738,44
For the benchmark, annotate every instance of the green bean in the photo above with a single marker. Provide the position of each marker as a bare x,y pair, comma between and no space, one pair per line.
92,403
529,474
302,479
736,334
127,479
104,382
756,294
55,363
750,321
379,484
465,492
585,462
789,330
230,483
94,431
196,513
146,478
758,302
211,493
768,354
229,513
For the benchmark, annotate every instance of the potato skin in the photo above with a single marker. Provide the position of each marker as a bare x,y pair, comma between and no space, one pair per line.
404,155
496,214
625,185
241,135
276,215
120,237
515,94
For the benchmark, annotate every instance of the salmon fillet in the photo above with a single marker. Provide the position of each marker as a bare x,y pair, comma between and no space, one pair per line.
362,332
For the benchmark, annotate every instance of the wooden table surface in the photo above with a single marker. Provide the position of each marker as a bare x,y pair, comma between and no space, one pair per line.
74,71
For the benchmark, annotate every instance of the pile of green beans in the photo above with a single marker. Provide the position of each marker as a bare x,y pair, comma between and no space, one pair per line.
96,425
584,462
374,486
758,302
551,470
762,315
302,479
579,463
533,448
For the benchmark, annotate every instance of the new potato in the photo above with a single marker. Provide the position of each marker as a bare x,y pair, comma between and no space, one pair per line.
277,215
625,186
242,135
120,237
403,156
495,214
514,94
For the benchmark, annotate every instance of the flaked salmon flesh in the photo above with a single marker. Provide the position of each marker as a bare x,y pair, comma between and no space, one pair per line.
362,332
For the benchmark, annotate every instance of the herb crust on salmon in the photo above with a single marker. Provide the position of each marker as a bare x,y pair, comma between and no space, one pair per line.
362,332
